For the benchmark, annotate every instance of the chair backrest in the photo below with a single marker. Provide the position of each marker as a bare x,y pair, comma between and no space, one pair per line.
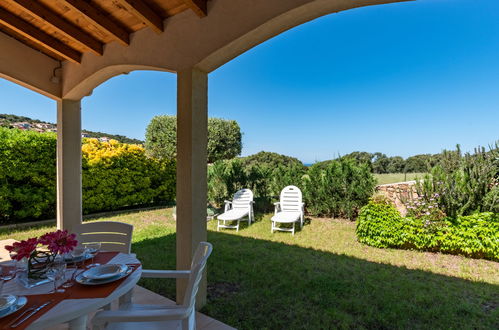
198,264
242,199
113,235
291,199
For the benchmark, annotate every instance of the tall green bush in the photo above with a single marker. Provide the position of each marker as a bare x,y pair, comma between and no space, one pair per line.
224,138
462,182
27,175
116,175
340,189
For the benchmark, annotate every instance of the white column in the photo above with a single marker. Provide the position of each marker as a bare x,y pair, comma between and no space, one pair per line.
68,164
192,140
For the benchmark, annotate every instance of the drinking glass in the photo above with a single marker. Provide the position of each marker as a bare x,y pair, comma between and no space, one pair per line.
71,271
93,248
7,272
56,273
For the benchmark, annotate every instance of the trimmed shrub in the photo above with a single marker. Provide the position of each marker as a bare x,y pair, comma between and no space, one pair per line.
116,175
477,235
339,189
27,175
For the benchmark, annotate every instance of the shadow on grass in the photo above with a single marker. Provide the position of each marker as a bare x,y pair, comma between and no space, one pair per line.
257,284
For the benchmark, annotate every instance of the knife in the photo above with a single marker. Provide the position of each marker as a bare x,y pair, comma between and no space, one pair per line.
30,314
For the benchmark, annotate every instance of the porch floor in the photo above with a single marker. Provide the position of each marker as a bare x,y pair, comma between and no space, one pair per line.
144,296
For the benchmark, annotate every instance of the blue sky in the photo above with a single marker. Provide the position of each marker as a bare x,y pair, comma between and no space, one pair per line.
402,79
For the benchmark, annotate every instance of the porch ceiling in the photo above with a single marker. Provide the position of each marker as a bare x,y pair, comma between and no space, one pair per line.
65,29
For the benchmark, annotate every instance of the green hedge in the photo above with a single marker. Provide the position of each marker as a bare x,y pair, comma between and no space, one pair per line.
340,188
477,235
27,175
114,176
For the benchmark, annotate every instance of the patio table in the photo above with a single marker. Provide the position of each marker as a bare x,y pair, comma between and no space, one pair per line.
78,301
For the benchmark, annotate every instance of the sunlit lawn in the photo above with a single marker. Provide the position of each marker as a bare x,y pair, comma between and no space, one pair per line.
397,177
321,278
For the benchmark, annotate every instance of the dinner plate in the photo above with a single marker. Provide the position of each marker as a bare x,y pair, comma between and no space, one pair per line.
7,301
20,302
87,281
103,272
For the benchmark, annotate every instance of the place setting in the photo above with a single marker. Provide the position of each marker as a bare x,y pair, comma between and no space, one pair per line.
56,268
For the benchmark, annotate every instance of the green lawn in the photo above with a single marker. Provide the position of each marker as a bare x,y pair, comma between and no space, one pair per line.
321,278
397,177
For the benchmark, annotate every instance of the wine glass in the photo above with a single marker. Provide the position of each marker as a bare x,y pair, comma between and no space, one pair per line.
56,273
93,248
72,275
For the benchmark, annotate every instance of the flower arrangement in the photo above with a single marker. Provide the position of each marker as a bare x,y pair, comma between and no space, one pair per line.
40,252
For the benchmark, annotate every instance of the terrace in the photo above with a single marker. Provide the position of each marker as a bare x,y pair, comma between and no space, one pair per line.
64,49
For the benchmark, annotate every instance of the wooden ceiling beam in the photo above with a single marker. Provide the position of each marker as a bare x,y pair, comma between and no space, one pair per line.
64,27
143,12
200,7
100,19
37,36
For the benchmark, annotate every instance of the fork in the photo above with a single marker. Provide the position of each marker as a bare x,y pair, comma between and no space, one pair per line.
24,313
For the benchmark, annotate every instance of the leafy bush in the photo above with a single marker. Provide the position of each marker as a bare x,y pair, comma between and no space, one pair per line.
462,182
116,175
27,175
338,190
477,235
224,138
266,182
270,159
379,224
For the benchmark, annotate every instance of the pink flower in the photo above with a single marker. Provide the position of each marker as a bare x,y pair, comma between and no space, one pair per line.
22,249
59,241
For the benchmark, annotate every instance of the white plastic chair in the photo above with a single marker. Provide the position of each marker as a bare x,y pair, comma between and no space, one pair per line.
289,209
161,316
238,209
113,236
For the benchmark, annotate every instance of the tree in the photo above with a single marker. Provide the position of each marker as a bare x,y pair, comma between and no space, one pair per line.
419,163
271,159
224,138
396,164
380,163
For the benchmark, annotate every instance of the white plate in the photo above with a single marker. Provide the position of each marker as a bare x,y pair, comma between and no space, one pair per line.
87,281
7,301
21,301
103,272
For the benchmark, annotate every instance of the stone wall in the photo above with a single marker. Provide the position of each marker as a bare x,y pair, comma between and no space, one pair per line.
397,192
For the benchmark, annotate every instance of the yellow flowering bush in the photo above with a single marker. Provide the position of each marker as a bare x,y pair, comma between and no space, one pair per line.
117,175
114,175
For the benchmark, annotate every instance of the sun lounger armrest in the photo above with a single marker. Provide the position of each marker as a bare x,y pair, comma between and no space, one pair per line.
277,206
227,205
150,273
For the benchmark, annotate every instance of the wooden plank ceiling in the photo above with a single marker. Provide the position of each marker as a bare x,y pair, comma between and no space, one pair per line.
64,29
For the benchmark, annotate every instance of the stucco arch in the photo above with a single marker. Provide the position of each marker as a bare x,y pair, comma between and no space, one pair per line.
231,28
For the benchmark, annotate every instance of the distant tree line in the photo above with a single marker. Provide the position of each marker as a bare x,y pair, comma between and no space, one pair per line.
381,163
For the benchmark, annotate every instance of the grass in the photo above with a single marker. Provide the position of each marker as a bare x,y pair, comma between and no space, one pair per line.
321,278
397,177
